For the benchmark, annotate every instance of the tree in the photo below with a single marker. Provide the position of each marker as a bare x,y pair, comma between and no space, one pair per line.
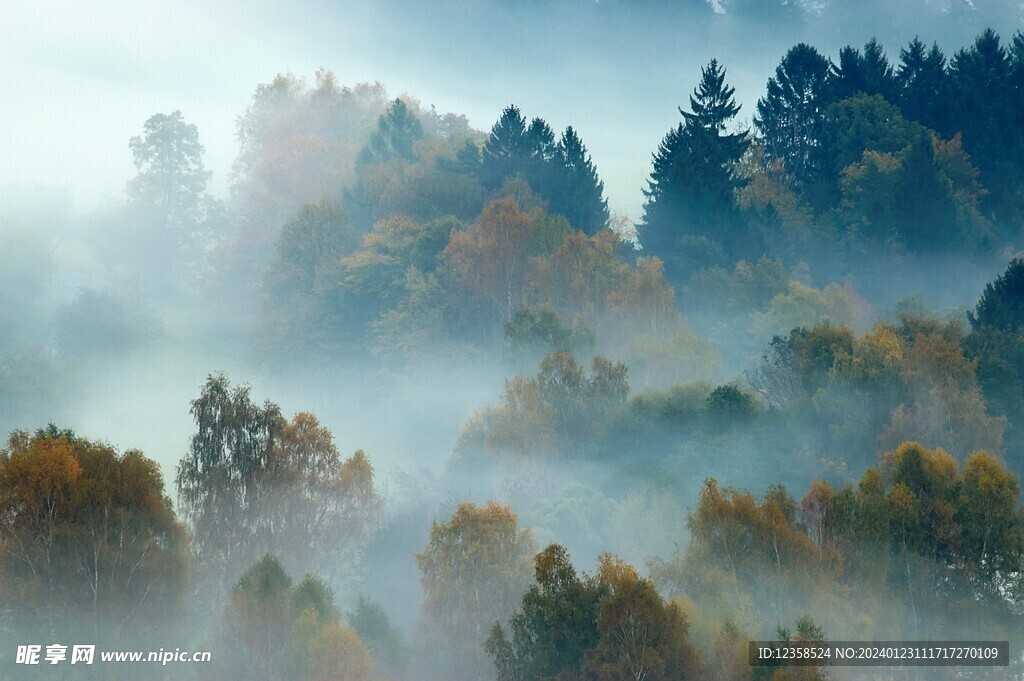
168,194
398,130
296,315
640,636
474,569
555,626
88,540
171,176
507,148
790,115
272,630
863,123
923,85
869,73
984,82
578,191
258,621
536,332
611,625
254,483
690,190
489,261
371,623
989,520
1001,305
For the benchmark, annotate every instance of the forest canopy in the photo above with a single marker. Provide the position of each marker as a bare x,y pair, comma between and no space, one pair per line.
784,402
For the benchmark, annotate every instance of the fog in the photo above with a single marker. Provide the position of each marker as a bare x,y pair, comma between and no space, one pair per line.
81,79
794,405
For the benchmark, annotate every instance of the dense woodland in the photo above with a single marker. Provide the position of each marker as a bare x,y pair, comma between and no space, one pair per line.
785,402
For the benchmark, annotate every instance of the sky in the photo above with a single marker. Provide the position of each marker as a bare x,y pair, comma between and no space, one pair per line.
82,78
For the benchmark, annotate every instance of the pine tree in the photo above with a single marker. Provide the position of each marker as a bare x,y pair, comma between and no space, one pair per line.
506,149
790,116
539,169
398,130
869,73
580,195
923,85
690,190
1001,306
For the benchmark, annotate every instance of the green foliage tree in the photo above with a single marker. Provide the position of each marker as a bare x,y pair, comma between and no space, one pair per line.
789,116
397,132
561,172
981,79
507,148
536,332
168,198
555,626
923,85
690,190
997,344
1001,305
389,651
171,178
868,73
611,625
578,192
272,629
295,317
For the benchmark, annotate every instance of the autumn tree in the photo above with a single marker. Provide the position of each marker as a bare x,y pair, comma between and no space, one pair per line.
254,482
298,145
490,261
89,541
990,520
561,411
473,571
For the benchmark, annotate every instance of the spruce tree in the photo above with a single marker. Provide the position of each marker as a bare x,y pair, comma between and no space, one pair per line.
506,149
580,194
690,190
790,115
398,130
1001,306
923,85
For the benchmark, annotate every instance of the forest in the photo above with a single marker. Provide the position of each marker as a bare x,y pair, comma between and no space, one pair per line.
419,404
